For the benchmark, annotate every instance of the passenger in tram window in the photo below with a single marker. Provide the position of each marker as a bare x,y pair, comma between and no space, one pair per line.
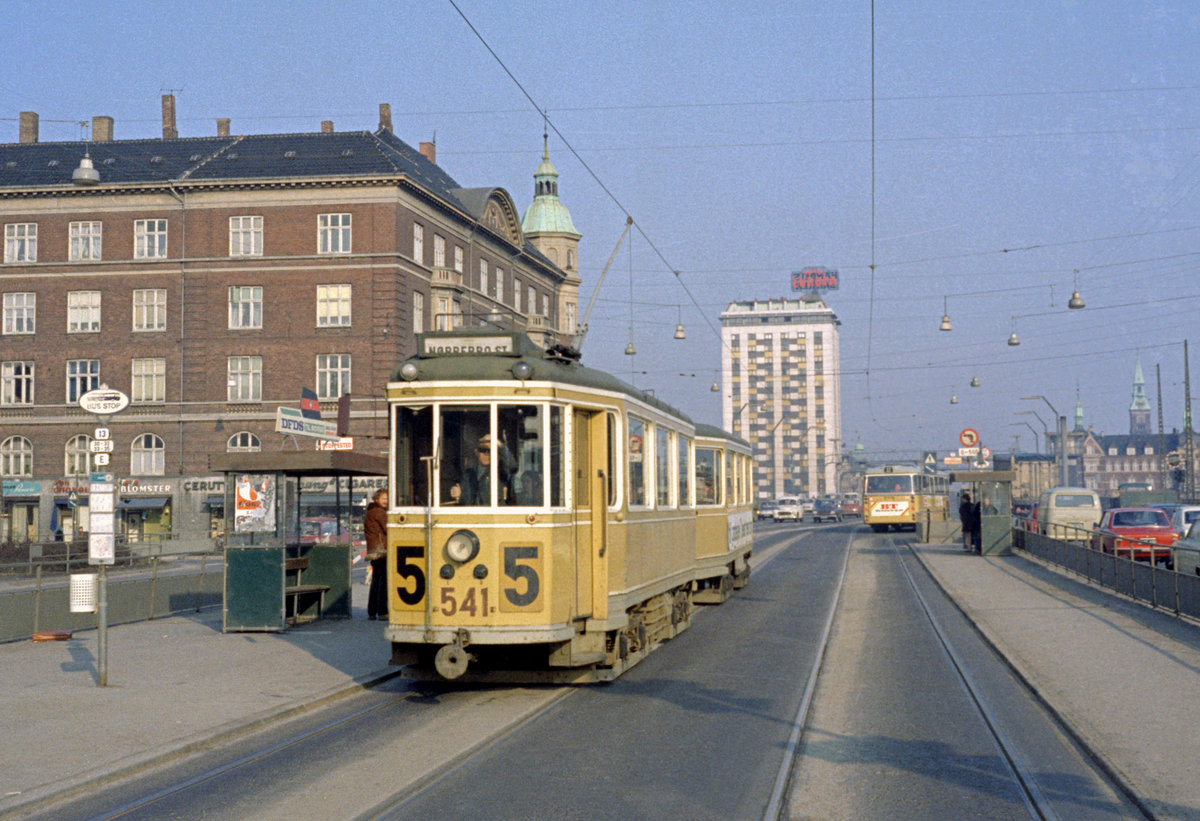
475,487
527,488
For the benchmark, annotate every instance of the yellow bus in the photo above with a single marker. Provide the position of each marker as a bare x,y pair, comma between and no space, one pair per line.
900,496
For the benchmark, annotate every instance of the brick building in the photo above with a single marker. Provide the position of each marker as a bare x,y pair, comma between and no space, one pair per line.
212,278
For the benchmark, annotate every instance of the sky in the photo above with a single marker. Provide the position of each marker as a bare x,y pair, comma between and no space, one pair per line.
987,156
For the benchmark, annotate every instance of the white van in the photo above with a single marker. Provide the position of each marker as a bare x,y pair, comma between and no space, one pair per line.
1068,513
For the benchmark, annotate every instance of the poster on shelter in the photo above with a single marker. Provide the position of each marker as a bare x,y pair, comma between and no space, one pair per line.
254,504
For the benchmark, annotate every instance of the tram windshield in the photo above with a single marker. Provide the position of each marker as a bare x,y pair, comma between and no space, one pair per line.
479,465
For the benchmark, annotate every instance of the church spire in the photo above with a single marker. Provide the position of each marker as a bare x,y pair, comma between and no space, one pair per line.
1139,408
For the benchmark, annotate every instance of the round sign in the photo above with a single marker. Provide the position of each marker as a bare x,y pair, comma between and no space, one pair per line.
635,443
969,437
1174,459
104,401
985,452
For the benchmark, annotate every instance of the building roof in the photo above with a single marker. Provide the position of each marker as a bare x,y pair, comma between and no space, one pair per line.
547,214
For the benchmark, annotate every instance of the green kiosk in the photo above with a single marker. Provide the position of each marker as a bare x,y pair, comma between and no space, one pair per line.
992,489
275,573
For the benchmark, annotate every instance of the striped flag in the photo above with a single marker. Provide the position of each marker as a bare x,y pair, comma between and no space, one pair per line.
310,408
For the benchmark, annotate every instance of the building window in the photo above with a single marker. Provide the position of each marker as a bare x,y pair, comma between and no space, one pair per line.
441,320
150,309
245,378
333,375
499,284
16,457
418,253
16,383
147,456
149,380
83,312
517,294
571,317
483,277
439,251
149,239
20,242
458,258
245,236
83,375
531,306
77,456
85,241
243,442
333,233
418,312
20,310
245,306
333,306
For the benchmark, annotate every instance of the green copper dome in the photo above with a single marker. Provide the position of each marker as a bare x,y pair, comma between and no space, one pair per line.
547,214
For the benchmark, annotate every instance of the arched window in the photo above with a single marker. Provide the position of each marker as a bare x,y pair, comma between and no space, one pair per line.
76,460
243,442
570,259
147,456
16,457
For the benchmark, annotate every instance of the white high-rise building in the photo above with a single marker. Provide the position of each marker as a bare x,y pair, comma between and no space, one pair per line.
779,375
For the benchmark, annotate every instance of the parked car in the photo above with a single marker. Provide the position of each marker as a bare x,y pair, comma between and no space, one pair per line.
1183,516
1141,533
766,509
1187,551
826,510
789,509
851,505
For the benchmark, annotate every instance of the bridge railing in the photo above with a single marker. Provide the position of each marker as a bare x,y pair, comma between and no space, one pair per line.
1159,586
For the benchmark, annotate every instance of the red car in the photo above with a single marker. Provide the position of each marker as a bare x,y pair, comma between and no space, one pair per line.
1141,533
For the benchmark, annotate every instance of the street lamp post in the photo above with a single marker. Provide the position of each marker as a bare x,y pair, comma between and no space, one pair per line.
1045,428
1035,433
1061,454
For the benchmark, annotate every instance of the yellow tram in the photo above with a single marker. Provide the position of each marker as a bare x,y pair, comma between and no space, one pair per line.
900,496
547,521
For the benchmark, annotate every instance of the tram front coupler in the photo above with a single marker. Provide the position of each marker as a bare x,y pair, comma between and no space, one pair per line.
452,659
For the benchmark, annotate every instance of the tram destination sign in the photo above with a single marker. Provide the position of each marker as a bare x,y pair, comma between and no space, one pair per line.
453,345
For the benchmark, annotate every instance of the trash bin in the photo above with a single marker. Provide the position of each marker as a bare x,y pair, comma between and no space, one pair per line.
83,592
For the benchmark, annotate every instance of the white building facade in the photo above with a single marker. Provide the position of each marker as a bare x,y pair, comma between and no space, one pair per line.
781,392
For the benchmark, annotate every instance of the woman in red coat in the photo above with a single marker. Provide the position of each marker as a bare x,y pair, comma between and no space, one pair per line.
375,529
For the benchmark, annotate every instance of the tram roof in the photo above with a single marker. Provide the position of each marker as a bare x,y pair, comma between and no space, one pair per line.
489,355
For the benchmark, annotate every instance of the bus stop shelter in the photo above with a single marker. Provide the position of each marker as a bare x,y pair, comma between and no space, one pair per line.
992,489
272,576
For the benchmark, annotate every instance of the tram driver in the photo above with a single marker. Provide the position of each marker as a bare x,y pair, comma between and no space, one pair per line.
475,486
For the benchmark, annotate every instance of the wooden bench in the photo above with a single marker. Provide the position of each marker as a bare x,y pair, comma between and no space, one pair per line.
298,590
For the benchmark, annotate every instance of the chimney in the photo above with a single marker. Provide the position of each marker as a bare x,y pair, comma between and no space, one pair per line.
102,129
429,152
29,127
222,126
168,112
326,126
385,117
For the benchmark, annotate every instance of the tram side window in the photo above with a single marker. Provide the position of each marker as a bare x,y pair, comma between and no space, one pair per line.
558,433
662,466
729,470
706,475
413,441
612,459
685,473
637,461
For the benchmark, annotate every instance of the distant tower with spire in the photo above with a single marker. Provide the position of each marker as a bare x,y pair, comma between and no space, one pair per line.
1139,409
548,227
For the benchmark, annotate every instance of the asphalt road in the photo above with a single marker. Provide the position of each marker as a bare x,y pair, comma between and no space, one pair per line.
904,723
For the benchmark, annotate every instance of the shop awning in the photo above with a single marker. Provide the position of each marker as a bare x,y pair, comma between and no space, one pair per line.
216,500
143,502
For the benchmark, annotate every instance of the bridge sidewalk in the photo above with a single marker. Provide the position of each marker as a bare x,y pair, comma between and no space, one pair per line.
1126,678
174,684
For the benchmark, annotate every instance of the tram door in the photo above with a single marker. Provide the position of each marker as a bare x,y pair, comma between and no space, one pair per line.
590,511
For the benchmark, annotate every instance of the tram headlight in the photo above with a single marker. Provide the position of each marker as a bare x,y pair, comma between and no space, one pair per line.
522,370
462,546
408,371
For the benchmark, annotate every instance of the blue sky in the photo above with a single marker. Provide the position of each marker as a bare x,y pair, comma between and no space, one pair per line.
1015,144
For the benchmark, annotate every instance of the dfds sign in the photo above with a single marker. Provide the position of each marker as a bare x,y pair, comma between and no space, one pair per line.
815,279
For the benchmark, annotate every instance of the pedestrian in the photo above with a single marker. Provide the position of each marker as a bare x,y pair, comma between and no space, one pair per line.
375,529
966,515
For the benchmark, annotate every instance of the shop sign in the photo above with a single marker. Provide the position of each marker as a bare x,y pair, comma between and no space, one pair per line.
65,487
133,487
21,487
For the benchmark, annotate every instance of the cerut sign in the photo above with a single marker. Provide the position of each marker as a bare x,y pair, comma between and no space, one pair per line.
104,401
